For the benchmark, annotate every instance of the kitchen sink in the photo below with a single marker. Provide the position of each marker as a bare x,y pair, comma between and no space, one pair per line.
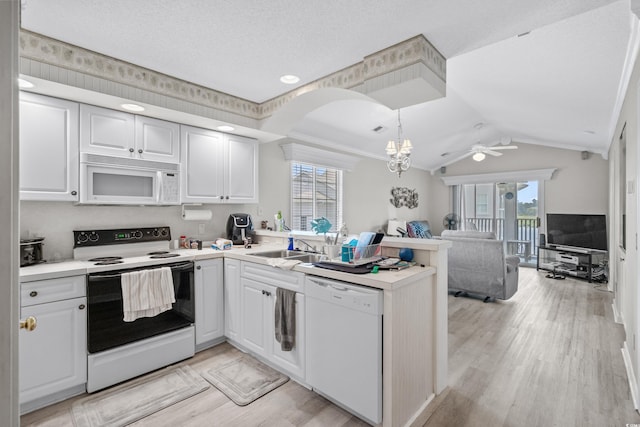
279,254
297,255
309,257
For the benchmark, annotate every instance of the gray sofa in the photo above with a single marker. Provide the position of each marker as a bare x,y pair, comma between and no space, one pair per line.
478,265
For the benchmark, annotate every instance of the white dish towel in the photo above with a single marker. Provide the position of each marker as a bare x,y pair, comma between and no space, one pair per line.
146,293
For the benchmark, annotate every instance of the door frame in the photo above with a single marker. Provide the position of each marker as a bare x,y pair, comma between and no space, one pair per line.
9,212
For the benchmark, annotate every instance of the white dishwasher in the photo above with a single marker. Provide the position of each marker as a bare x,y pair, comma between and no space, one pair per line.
344,345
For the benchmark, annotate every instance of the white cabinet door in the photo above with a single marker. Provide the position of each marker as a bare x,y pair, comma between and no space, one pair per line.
255,316
232,293
48,148
105,131
157,140
218,168
242,171
202,168
53,357
258,327
209,300
291,361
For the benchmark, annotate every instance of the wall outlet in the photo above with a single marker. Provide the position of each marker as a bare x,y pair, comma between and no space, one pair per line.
260,211
200,228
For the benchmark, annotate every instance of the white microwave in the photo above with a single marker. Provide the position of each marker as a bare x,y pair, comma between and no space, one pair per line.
108,180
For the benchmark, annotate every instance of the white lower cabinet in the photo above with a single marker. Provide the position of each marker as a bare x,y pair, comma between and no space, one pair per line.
258,327
209,290
53,356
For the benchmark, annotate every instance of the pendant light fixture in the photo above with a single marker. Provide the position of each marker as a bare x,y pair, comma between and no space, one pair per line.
399,152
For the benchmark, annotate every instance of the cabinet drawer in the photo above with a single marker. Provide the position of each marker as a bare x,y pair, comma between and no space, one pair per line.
273,276
43,291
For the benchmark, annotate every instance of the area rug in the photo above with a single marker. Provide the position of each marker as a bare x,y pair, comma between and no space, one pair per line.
244,379
134,400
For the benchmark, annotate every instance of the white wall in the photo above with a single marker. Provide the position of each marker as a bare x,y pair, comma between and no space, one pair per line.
578,186
627,294
367,190
55,221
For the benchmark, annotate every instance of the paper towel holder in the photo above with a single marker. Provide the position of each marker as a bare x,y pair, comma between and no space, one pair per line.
196,214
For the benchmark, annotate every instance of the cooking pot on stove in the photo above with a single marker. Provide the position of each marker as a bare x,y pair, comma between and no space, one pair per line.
31,251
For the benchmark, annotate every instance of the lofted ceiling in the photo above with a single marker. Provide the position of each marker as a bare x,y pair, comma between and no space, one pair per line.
547,72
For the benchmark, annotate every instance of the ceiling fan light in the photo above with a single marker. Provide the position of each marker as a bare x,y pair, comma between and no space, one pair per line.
478,157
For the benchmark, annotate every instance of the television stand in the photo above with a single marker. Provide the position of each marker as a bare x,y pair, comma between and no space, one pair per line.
583,263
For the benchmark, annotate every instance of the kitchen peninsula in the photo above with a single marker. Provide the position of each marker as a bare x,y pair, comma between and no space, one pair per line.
414,332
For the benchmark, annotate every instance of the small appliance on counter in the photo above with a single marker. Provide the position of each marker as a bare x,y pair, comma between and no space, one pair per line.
31,251
239,228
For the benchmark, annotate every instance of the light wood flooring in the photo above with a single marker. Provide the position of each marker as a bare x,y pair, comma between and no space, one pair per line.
549,356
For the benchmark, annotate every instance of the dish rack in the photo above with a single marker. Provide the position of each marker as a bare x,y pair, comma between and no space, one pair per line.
352,255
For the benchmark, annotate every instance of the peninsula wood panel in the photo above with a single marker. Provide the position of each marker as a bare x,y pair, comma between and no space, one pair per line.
408,351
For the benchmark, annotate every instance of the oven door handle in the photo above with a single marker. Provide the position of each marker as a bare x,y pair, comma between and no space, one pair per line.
178,267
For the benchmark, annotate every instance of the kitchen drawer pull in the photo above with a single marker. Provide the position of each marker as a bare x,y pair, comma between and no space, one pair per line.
74,193
131,150
81,307
140,150
33,294
199,267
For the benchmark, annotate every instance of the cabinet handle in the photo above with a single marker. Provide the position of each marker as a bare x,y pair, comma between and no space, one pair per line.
29,323
227,197
81,307
140,150
33,294
221,197
74,193
267,293
131,150
199,267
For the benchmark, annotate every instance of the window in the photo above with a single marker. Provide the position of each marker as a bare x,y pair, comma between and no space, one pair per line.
315,192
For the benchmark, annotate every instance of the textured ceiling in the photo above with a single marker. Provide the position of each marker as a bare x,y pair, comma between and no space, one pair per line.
547,87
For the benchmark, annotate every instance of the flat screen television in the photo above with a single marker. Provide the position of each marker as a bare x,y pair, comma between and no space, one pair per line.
577,230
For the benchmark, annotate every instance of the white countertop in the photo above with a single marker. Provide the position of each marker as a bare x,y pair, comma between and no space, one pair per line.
384,279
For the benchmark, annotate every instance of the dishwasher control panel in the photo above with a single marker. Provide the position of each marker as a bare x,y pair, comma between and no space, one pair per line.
355,297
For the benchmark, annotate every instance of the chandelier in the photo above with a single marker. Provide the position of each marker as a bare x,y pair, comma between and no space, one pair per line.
399,152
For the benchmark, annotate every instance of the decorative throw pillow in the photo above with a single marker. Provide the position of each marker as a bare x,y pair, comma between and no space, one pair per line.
419,229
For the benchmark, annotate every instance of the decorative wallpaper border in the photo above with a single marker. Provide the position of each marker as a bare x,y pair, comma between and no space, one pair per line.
49,51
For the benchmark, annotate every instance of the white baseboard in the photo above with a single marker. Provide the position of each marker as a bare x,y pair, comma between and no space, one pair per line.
633,383
617,317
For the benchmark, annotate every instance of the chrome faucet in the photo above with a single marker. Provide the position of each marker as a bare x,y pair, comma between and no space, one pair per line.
307,244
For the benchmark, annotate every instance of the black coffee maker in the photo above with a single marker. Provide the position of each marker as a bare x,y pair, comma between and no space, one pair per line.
239,228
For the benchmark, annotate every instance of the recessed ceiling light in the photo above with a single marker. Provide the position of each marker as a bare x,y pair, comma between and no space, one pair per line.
289,79
132,107
24,84
225,128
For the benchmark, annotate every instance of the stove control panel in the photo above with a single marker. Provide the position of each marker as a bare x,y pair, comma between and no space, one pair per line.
83,238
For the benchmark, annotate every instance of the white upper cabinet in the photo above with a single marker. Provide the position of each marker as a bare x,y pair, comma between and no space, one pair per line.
218,168
157,139
48,148
242,173
115,133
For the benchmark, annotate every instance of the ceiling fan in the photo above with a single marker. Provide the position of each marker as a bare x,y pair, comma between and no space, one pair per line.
479,151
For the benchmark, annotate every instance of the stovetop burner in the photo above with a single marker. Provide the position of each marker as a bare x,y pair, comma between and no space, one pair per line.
162,254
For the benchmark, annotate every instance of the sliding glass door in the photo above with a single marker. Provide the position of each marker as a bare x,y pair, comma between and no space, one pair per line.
508,209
